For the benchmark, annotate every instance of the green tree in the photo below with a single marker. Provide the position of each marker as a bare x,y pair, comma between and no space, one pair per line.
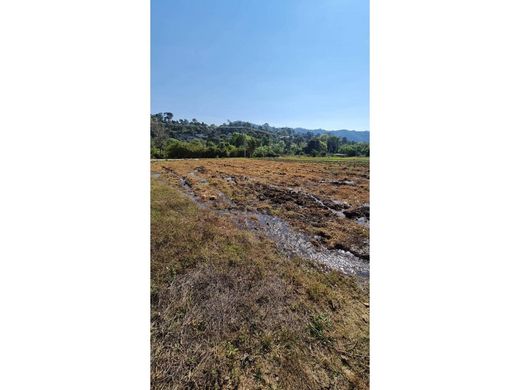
332,144
315,147
251,144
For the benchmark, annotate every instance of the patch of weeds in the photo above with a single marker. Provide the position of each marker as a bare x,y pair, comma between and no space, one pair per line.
317,327
288,338
316,291
231,350
233,250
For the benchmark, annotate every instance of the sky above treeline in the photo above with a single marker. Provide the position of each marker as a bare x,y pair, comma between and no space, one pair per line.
297,63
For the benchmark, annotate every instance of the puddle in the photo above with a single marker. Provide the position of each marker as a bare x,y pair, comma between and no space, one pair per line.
289,241
295,243
345,182
337,213
363,221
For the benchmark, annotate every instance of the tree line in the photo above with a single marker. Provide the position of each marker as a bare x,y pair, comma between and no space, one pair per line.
193,139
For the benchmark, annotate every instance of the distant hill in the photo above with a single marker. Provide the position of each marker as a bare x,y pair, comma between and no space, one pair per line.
351,135
183,138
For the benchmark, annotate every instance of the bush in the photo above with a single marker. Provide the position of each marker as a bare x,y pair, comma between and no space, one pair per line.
156,152
355,150
193,149
265,151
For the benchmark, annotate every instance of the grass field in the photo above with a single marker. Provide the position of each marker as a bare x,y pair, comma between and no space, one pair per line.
326,159
327,201
230,310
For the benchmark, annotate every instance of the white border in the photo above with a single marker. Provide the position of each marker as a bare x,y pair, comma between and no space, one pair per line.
75,195
444,194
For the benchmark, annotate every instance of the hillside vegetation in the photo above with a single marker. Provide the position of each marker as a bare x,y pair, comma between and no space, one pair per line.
193,139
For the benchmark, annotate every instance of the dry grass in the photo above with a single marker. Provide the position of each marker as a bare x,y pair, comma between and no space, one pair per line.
230,312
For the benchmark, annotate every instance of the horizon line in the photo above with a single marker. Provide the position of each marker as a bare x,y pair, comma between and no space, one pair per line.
277,127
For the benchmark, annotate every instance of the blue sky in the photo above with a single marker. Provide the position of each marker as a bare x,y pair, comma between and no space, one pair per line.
298,63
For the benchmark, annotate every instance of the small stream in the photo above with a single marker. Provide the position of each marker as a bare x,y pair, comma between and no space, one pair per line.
289,241
295,243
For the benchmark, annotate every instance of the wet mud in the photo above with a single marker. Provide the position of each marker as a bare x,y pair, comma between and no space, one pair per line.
351,259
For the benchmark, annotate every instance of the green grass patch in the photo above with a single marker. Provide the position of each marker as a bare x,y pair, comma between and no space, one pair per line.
325,159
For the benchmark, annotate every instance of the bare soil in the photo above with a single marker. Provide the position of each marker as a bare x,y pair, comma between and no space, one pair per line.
328,201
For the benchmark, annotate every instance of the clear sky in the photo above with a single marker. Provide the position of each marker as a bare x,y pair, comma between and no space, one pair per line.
298,63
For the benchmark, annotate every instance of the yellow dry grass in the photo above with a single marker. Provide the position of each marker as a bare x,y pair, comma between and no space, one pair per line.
229,312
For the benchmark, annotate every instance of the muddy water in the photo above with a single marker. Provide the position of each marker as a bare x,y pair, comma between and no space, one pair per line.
295,243
288,240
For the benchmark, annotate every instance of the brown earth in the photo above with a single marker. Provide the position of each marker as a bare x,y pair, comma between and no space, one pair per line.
327,200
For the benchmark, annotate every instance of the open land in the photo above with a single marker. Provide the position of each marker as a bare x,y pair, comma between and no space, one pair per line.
259,271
